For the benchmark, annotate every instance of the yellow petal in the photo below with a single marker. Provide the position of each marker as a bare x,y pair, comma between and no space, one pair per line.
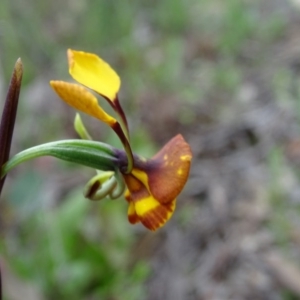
91,71
81,99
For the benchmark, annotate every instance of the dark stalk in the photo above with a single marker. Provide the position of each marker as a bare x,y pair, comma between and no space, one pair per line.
8,122
9,115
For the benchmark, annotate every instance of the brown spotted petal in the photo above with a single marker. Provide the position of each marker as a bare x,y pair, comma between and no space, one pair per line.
153,185
168,171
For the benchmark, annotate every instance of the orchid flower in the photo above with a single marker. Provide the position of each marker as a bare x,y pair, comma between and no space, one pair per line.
150,186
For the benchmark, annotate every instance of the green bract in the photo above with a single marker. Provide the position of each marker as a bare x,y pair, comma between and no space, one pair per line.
92,154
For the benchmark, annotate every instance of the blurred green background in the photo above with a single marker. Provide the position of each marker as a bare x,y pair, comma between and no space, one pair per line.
225,74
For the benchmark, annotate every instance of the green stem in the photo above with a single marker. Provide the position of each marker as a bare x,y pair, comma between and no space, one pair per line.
92,154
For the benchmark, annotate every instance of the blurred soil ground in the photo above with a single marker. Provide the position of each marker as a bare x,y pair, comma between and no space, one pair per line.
239,215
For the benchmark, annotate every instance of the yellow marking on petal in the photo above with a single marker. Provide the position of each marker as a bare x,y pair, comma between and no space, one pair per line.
93,72
179,171
141,176
185,157
80,98
165,157
145,205
153,214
